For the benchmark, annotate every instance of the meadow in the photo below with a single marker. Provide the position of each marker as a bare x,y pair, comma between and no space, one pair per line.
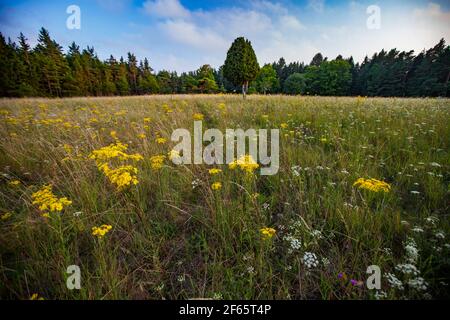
89,182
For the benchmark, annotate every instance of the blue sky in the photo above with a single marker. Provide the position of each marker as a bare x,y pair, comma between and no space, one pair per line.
181,35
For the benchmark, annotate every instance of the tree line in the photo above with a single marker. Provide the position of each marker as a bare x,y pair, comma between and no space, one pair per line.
47,71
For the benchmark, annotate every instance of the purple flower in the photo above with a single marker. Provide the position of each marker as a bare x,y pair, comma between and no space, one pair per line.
340,275
354,282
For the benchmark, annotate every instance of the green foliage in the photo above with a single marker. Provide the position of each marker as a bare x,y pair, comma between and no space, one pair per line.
205,80
46,71
295,84
267,80
241,65
331,78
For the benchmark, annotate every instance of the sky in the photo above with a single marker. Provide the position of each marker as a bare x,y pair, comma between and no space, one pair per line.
182,35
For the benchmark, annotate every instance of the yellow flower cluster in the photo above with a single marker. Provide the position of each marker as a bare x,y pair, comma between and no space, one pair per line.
245,163
161,140
267,233
35,296
122,176
173,154
156,162
14,183
47,201
372,185
6,216
100,232
167,108
113,151
214,171
198,116
216,186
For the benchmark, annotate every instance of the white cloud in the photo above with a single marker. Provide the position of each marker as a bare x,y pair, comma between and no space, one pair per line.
166,9
188,33
432,11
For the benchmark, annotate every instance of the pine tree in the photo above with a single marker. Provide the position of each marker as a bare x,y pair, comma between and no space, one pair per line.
52,67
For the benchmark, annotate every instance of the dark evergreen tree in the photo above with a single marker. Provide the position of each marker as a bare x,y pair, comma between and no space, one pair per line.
241,65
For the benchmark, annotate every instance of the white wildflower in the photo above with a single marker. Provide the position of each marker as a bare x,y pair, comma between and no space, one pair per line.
407,268
393,281
418,283
310,260
440,235
380,294
417,229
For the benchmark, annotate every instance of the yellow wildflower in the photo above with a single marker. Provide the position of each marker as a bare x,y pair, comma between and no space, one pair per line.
113,134
6,216
120,113
167,108
245,163
283,125
216,186
214,171
68,148
198,116
147,120
115,150
161,140
173,154
14,183
47,201
100,232
372,185
156,162
35,296
141,136
122,176
267,233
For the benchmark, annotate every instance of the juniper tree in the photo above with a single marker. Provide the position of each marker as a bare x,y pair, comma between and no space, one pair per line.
241,65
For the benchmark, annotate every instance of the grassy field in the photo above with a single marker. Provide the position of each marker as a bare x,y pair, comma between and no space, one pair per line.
169,234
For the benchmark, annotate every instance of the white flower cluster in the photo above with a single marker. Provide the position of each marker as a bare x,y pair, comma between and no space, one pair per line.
325,261
195,183
317,234
407,268
417,230
412,253
440,235
294,243
310,260
295,170
393,281
432,220
380,294
217,296
418,283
